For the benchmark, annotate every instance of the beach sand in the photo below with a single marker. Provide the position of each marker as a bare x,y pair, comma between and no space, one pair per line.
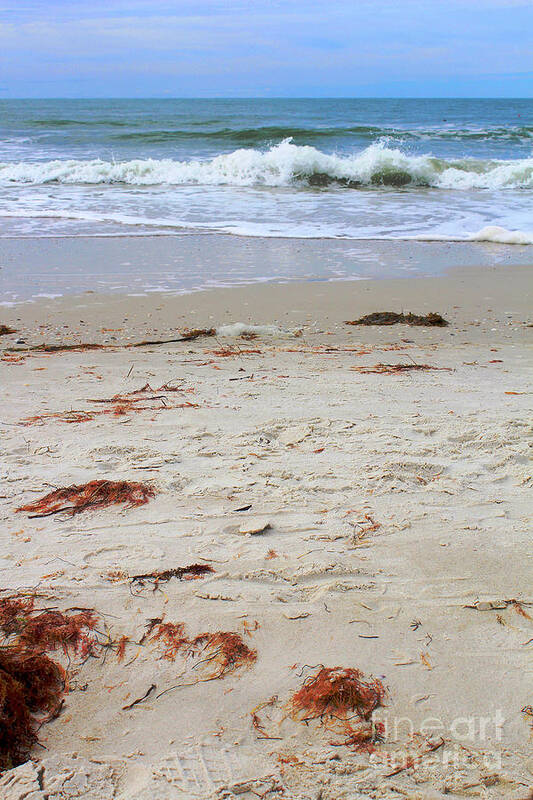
387,528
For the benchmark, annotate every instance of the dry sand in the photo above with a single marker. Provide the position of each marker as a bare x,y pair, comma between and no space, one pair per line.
398,538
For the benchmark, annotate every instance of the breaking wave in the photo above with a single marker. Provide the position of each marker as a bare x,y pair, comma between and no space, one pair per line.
285,164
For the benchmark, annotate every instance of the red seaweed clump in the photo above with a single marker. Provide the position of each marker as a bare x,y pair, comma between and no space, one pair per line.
32,685
224,651
337,697
171,634
95,494
219,653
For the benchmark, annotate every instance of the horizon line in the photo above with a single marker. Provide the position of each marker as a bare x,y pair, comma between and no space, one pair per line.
275,97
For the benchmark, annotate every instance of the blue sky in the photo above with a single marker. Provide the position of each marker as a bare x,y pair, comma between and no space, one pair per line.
266,48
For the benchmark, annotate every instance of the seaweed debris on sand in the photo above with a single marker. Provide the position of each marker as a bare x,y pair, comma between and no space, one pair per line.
336,696
392,318
32,685
225,651
65,348
95,494
47,628
192,572
143,399
393,369
188,335
221,651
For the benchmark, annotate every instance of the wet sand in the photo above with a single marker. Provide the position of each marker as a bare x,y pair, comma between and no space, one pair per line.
32,267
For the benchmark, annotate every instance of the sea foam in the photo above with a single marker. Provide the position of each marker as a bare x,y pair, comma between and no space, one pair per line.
494,233
285,164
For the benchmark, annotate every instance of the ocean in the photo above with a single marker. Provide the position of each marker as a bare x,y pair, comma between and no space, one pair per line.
432,170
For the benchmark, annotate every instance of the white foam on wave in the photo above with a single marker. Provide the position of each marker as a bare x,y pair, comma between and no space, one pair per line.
494,233
490,233
92,216
282,165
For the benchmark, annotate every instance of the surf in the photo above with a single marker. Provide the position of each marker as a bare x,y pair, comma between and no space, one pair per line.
285,164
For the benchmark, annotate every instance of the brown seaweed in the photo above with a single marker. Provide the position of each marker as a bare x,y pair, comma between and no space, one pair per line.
192,572
392,318
63,348
187,336
394,369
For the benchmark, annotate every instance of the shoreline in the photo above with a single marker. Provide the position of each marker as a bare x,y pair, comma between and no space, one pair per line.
192,263
486,299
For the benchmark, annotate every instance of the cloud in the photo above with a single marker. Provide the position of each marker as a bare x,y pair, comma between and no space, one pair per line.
236,43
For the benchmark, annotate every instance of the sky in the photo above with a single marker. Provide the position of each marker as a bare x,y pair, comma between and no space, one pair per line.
266,48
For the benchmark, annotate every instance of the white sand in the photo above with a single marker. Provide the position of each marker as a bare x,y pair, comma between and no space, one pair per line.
438,459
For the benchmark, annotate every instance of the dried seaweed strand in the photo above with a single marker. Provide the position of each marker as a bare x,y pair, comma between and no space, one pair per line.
393,369
193,571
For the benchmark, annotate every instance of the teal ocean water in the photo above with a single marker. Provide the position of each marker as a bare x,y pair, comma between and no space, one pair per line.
357,169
